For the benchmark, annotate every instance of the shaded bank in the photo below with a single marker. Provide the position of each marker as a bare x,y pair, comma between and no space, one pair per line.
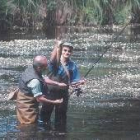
65,32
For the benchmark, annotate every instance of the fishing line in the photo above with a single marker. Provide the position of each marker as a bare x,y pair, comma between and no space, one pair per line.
107,48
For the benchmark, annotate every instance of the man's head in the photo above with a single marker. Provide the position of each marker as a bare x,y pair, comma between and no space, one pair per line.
67,49
40,63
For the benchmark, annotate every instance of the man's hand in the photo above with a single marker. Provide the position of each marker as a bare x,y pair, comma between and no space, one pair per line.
80,82
58,101
62,85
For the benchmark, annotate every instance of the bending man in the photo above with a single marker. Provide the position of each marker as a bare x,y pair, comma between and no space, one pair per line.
32,90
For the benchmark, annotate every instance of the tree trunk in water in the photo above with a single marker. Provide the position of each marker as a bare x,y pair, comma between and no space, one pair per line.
55,18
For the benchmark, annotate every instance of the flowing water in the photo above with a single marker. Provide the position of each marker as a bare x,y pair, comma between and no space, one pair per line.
108,108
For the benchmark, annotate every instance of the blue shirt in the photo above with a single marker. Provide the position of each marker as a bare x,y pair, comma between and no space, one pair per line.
71,67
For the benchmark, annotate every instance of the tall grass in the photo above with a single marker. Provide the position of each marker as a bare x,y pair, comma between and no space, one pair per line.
86,12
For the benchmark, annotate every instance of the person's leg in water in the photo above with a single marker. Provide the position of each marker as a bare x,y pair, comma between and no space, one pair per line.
45,114
47,109
61,115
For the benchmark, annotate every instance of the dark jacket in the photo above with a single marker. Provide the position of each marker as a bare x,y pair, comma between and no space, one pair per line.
26,77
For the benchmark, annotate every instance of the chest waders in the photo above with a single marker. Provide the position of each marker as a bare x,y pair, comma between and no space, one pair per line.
55,92
27,105
26,108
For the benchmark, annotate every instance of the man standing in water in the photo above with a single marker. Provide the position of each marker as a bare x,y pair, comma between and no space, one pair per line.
32,90
62,69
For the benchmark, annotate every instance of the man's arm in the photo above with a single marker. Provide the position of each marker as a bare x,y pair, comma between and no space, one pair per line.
35,87
45,100
56,53
55,83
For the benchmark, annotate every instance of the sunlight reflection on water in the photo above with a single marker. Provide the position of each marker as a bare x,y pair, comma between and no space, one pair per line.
109,106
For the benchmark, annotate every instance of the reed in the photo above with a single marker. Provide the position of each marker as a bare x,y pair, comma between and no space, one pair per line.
84,12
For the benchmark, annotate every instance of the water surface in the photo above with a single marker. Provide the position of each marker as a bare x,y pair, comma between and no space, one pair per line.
108,108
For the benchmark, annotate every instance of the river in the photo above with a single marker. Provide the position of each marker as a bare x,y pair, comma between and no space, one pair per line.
108,108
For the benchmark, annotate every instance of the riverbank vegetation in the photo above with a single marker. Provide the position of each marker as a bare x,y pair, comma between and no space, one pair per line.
43,13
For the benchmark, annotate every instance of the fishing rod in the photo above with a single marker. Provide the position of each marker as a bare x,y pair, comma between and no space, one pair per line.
76,84
100,57
77,90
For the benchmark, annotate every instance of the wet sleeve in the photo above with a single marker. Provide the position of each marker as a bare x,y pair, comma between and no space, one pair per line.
35,87
75,74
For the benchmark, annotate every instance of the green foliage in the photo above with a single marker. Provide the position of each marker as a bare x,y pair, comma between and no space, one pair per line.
93,12
4,17
122,14
51,4
2,6
88,12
